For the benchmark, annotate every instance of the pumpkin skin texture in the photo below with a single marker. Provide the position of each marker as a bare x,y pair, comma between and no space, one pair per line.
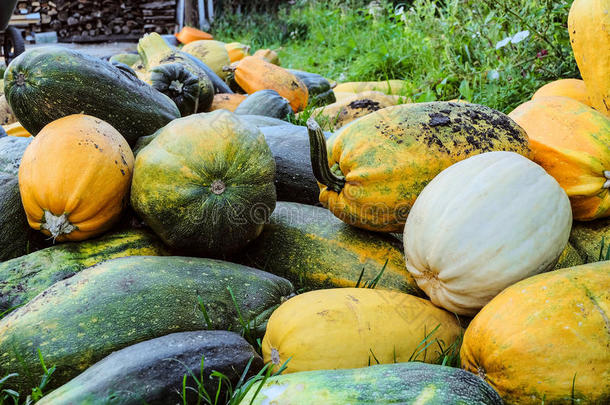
350,325
388,156
589,28
268,55
570,140
483,224
384,86
210,52
226,101
546,337
74,178
253,74
179,84
591,239
571,88
204,184
403,383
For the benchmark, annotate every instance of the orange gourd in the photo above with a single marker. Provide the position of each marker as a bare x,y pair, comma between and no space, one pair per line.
269,55
190,34
571,141
227,101
237,51
254,74
74,178
572,88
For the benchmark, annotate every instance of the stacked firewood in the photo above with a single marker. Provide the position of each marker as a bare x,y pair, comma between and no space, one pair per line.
100,20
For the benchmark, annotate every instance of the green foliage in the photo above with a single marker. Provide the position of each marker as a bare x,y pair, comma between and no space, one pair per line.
9,396
444,49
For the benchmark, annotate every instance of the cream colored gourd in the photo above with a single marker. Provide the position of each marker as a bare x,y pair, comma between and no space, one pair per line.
483,224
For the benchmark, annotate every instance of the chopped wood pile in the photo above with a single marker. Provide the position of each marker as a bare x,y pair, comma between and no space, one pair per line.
96,20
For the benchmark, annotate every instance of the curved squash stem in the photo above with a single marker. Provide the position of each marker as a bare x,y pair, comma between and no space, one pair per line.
333,179
57,225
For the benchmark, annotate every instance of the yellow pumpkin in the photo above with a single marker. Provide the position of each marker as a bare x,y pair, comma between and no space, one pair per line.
546,339
384,86
226,101
74,178
268,55
571,141
356,327
253,74
589,28
212,53
237,51
350,108
571,88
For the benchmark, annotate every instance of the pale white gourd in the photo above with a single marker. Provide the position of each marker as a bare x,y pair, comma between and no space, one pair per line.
483,224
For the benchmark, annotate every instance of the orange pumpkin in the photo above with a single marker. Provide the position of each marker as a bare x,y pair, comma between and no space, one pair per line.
254,74
237,51
570,140
571,88
268,55
74,177
190,34
226,101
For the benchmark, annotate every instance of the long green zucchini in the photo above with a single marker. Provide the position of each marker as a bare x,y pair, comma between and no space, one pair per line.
121,302
23,278
400,383
312,248
151,372
44,84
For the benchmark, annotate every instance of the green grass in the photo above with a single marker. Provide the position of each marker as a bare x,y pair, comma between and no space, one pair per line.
444,49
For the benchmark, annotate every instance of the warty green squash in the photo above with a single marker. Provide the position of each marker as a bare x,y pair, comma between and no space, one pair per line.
204,184
372,170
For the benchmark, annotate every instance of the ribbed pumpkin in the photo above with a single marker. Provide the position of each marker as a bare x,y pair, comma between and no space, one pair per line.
372,170
226,101
571,88
253,74
212,53
356,327
237,51
74,178
358,105
545,339
589,28
571,141
483,224
384,86
205,183
268,55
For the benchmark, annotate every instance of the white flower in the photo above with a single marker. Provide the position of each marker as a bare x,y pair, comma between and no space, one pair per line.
503,43
520,36
493,75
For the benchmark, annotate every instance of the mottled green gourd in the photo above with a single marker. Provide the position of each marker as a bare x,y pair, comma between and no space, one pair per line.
315,250
61,82
401,383
120,302
23,278
205,183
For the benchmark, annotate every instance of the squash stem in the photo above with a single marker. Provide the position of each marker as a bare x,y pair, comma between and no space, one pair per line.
151,46
57,225
607,176
332,178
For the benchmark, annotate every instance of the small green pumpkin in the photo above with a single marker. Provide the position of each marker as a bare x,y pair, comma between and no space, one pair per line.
267,103
205,183
177,83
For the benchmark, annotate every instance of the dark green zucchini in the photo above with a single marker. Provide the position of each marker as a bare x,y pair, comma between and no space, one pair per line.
151,372
23,278
176,82
14,228
312,248
400,383
320,92
267,103
120,302
44,84
294,180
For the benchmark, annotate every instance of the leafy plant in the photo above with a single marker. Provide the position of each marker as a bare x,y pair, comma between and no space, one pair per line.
9,396
371,283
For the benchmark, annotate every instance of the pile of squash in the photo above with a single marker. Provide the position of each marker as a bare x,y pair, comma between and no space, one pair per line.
162,206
